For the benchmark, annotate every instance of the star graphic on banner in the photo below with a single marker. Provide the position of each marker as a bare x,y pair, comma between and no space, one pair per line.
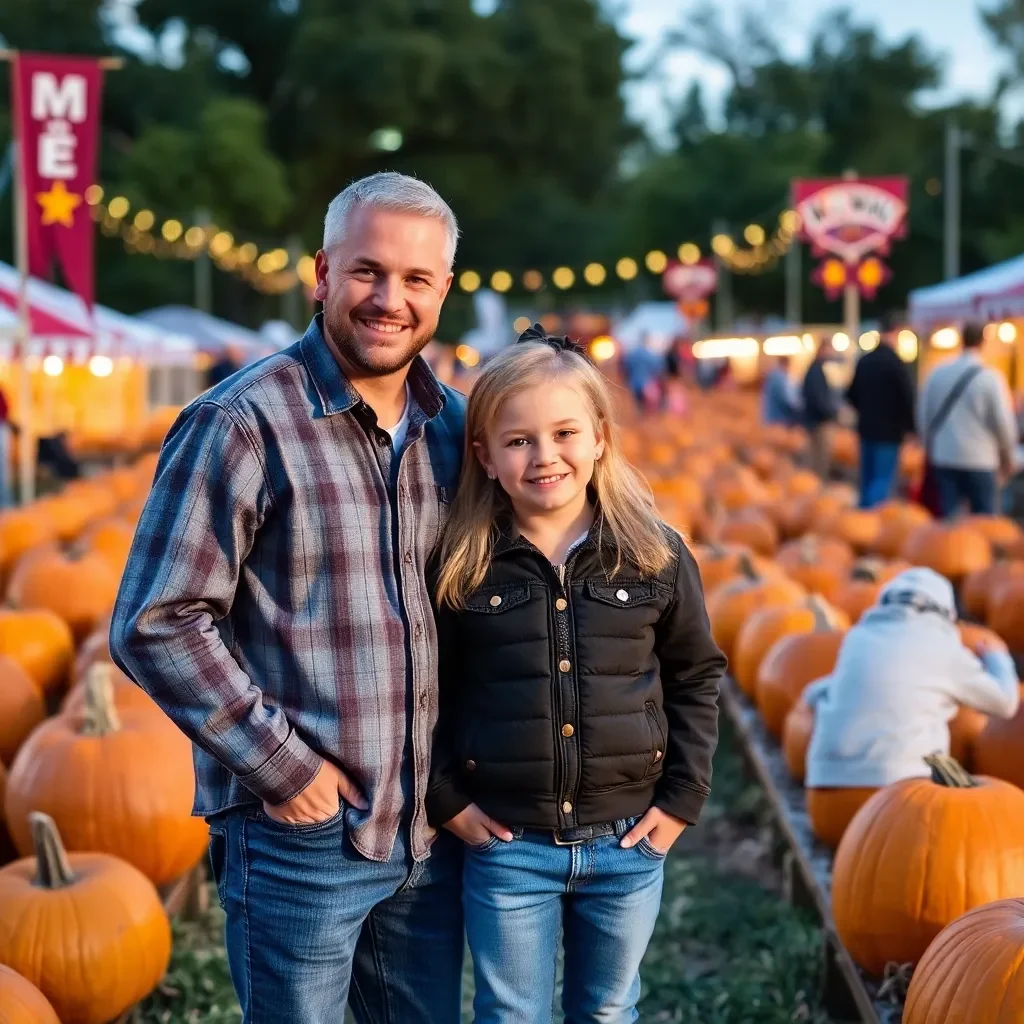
58,205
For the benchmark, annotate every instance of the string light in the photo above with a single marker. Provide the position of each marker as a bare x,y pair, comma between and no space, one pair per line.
533,281
501,280
563,278
626,268
656,261
594,274
469,281
689,253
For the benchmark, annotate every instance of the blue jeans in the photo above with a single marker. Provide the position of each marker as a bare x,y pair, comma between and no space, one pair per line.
878,464
518,895
307,913
975,486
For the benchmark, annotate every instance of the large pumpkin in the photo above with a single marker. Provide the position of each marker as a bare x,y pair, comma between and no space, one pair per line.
976,587
80,590
861,589
21,530
22,707
951,549
1006,611
817,563
87,929
751,528
998,748
111,539
731,604
792,664
21,1002
973,971
1000,531
115,782
127,696
720,563
858,527
898,521
41,642
796,738
919,854
768,625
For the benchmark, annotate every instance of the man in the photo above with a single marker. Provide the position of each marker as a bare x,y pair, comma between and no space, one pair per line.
966,420
821,409
274,605
882,395
780,404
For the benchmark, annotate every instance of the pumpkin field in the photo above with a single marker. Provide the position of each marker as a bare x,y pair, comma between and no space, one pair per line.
927,881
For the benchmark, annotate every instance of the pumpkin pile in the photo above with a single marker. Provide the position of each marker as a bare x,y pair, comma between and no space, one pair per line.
789,564
96,783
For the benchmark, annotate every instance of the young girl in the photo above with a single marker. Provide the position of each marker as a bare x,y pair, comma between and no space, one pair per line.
578,685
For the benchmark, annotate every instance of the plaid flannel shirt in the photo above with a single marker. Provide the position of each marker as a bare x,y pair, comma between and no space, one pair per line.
274,604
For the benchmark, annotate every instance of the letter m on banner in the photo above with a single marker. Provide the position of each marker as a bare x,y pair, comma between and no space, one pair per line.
57,124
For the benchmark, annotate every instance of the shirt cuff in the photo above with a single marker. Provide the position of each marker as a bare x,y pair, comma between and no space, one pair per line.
682,803
444,801
286,773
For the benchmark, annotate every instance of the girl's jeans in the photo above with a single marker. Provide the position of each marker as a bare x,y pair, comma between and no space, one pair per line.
519,895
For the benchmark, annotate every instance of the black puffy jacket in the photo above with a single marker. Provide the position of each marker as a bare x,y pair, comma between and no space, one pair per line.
566,704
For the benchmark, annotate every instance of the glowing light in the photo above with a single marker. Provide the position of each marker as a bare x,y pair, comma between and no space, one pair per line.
790,221
754,234
689,253
265,264
101,366
563,278
946,338
626,268
602,348
247,252
144,220
387,140
808,340
501,280
533,280
467,355
118,207
171,230
1007,333
722,348
656,261
305,268
840,341
220,243
469,280
53,366
194,237
783,345
869,340
906,346
723,245
594,274
94,195
520,324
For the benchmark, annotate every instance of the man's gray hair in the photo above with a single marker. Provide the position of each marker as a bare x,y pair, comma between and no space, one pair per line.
400,193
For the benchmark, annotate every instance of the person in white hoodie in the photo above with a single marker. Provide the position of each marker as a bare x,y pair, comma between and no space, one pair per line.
901,675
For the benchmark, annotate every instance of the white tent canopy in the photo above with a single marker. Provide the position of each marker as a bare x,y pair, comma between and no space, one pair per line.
994,293
660,323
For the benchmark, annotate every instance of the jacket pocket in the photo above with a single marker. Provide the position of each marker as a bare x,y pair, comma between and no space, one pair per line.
219,861
498,599
657,754
622,595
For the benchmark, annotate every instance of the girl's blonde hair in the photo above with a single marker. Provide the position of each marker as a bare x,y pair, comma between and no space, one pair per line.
626,502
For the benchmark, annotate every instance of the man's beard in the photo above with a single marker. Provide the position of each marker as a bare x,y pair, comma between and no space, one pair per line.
374,364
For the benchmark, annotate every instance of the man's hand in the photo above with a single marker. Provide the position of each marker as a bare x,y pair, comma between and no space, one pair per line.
474,828
320,800
660,828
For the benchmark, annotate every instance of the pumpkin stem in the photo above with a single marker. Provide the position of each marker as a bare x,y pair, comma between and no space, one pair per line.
947,771
746,567
867,569
809,549
824,613
53,870
101,715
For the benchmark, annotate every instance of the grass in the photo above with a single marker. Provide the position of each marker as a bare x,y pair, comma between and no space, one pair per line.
727,949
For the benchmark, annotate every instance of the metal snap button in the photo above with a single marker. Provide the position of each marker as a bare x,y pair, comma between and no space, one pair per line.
495,601
622,595
561,604
657,755
567,807
567,730
564,665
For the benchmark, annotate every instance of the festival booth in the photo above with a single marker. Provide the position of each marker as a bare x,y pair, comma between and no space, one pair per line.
87,377
994,297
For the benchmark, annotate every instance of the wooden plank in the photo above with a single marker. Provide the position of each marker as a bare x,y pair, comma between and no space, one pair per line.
807,866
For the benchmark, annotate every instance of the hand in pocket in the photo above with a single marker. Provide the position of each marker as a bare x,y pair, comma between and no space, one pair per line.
474,827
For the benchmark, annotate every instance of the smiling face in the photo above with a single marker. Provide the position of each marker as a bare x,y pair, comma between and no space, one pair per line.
541,447
382,287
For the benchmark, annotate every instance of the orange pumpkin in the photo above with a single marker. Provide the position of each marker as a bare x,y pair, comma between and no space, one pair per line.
998,749
800,515
973,970
860,590
128,697
796,738
21,530
1000,531
720,563
1006,611
95,648
919,854
765,627
41,643
21,1002
792,664
731,604
111,539
831,809
951,549
80,590
816,563
898,522
117,782
22,707
857,527
87,929
977,586
750,528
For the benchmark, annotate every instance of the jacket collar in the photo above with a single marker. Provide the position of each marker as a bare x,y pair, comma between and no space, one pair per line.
335,390
509,540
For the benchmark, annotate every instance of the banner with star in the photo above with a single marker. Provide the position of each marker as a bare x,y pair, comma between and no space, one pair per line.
57,125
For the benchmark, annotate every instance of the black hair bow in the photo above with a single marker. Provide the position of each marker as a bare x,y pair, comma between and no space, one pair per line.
559,344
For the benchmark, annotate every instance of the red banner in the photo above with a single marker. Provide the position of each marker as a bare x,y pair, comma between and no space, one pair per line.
57,123
851,217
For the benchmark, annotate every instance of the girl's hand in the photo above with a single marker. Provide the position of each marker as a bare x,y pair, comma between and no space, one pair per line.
474,828
661,829
985,644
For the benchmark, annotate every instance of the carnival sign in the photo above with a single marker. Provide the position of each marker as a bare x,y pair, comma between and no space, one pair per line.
57,120
690,282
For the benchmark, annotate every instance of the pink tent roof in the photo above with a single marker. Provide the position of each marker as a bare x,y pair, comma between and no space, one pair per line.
44,324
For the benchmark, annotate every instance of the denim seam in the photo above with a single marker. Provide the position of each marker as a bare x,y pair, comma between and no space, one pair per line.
245,913
379,963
